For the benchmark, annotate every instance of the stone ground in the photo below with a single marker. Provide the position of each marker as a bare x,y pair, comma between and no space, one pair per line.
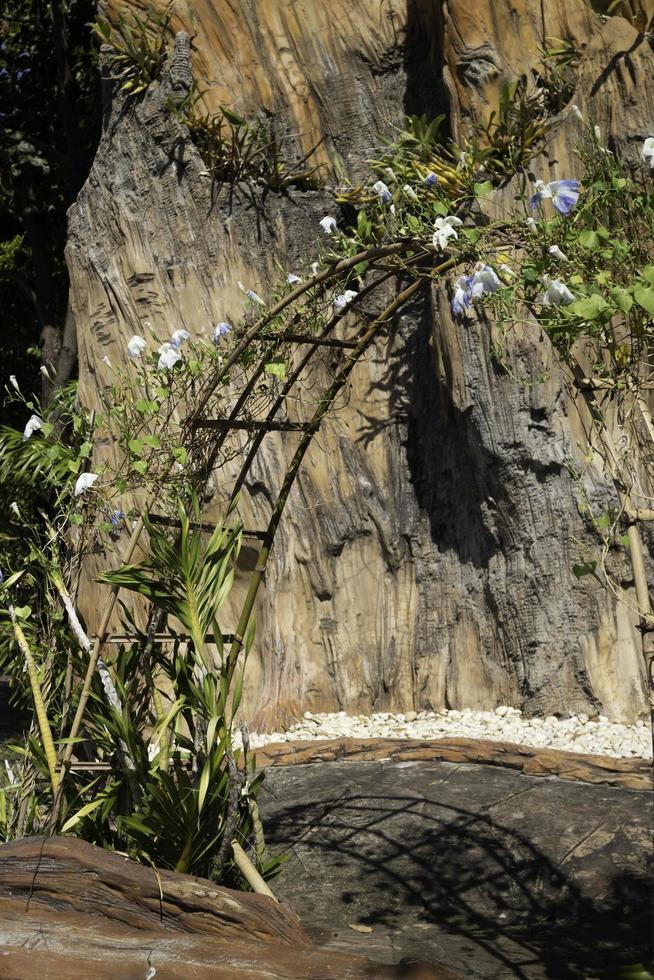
486,870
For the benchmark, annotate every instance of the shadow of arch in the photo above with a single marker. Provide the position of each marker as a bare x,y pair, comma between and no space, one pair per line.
472,877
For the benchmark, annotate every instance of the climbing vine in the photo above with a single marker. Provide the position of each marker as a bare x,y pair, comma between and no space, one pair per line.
135,748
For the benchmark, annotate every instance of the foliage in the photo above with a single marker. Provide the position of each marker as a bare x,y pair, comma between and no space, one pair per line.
237,151
138,45
49,92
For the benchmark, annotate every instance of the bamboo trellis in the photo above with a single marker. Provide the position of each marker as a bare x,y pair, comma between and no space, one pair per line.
402,259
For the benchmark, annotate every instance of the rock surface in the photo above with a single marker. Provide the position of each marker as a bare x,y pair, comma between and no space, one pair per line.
425,558
496,873
70,910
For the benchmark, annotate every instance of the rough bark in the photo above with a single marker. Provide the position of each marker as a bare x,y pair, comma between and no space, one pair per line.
69,909
425,557
604,770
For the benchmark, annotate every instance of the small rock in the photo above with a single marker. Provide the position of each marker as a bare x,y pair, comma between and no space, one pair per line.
411,716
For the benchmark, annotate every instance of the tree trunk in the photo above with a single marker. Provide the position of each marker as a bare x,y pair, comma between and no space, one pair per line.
425,558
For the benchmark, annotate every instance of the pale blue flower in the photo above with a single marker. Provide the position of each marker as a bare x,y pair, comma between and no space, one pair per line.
251,295
556,293
292,279
469,288
462,297
342,300
220,330
179,337
382,192
136,346
563,193
117,517
33,424
431,179
168,357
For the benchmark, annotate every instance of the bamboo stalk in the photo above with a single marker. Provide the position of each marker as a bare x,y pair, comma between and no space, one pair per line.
250,873
39,704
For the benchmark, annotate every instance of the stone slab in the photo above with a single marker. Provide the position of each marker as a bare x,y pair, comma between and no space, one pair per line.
496,873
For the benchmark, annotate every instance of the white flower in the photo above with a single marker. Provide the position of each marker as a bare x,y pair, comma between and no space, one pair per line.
409,191
556,293
598,133
342,300
45,372
557,253
576,112
220,330
84,482
391,173
13,382
105,360
532,226
13,507
382,192
647,151
445,230
250,293
33,423
136,346
292,279
507,270
314,268
484,280
168,357
328,224
179,337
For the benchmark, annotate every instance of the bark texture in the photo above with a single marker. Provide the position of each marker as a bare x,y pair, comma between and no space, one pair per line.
69,909
425,557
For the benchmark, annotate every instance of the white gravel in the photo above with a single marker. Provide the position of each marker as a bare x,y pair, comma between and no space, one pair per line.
578,733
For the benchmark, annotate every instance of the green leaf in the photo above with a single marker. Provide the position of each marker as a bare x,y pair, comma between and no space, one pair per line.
277,367
648,274
135,446
585,568
644,296
622,298
84,812
180,454
140,466
76,519
153,441
589,240
483,190
593,307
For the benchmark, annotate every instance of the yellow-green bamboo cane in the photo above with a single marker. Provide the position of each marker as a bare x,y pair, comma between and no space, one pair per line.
39,704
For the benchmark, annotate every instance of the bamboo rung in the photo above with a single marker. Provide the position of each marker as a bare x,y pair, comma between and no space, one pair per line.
321,341
250,426
160,638
201,526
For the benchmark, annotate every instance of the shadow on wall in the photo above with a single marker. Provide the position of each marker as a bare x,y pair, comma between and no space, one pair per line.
453,475
459,882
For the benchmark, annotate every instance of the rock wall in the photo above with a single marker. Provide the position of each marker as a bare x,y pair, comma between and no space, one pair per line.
425,556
